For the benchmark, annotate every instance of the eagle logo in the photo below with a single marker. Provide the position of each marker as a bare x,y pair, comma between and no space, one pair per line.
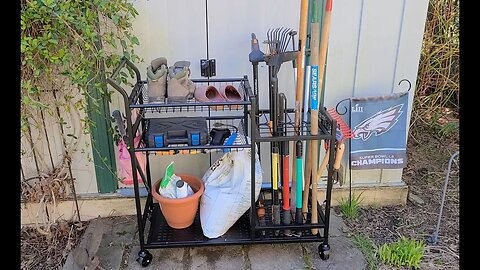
378,124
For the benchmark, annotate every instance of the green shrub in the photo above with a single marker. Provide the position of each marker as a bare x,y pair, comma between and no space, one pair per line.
349,208
403,252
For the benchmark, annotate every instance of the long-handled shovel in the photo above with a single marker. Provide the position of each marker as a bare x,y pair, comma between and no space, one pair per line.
312,161
314,98
313,87
300,61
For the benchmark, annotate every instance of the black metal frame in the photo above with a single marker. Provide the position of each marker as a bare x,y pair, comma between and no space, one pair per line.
247,229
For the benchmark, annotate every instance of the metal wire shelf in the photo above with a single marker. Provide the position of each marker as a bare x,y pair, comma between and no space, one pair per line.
286,130
139,98
235,124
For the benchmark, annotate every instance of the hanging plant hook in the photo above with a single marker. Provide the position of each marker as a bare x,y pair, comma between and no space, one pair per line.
345,107
409,84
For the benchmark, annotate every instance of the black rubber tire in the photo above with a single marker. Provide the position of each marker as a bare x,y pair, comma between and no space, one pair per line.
324,252
144,258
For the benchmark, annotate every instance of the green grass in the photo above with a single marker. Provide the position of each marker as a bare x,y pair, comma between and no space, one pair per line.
368,248
448,128
349,209
404,252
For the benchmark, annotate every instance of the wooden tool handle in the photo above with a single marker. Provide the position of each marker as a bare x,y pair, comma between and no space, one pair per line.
306,187
322,166
338,156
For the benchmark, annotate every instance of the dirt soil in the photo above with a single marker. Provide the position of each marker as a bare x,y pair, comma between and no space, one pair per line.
428,157
44,248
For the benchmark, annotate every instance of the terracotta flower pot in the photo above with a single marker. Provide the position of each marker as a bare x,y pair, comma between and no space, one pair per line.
180,213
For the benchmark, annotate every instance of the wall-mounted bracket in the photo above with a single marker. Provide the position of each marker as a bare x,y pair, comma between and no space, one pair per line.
207,67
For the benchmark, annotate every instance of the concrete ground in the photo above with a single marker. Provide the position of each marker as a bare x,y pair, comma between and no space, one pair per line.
119,247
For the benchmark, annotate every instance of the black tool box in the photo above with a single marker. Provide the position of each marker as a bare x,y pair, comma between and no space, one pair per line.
162,132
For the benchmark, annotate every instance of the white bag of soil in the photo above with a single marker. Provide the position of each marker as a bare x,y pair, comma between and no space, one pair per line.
227,191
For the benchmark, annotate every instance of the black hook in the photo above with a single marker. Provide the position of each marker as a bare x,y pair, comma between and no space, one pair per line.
409,84
346,109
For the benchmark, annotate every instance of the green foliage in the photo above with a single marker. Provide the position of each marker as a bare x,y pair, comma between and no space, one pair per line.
349,208
449,128
61,45
403,252
368,248
439,67
61,50
66,47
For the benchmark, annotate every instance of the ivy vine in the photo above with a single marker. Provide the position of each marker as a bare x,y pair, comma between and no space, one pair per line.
66,46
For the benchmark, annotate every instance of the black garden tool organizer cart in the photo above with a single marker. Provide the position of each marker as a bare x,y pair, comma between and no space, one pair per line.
154,231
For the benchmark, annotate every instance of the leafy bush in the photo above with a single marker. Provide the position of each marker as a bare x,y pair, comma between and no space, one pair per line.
65,48
403,252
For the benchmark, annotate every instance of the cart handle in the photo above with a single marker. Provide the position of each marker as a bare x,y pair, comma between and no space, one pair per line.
124,61
117,87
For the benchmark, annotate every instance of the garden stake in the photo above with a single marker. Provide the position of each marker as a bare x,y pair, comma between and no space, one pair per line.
433,239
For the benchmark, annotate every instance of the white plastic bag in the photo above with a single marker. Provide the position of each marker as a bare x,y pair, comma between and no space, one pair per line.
227,191
168,186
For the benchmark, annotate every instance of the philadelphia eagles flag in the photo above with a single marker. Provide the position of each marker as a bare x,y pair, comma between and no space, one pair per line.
380,132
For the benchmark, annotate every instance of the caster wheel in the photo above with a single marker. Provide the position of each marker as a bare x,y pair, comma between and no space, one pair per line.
324,252
144,258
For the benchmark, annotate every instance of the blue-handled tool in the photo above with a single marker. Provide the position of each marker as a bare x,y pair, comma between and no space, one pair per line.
230,141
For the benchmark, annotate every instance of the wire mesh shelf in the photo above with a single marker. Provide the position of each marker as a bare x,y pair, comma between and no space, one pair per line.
139,98
286,129
235,125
